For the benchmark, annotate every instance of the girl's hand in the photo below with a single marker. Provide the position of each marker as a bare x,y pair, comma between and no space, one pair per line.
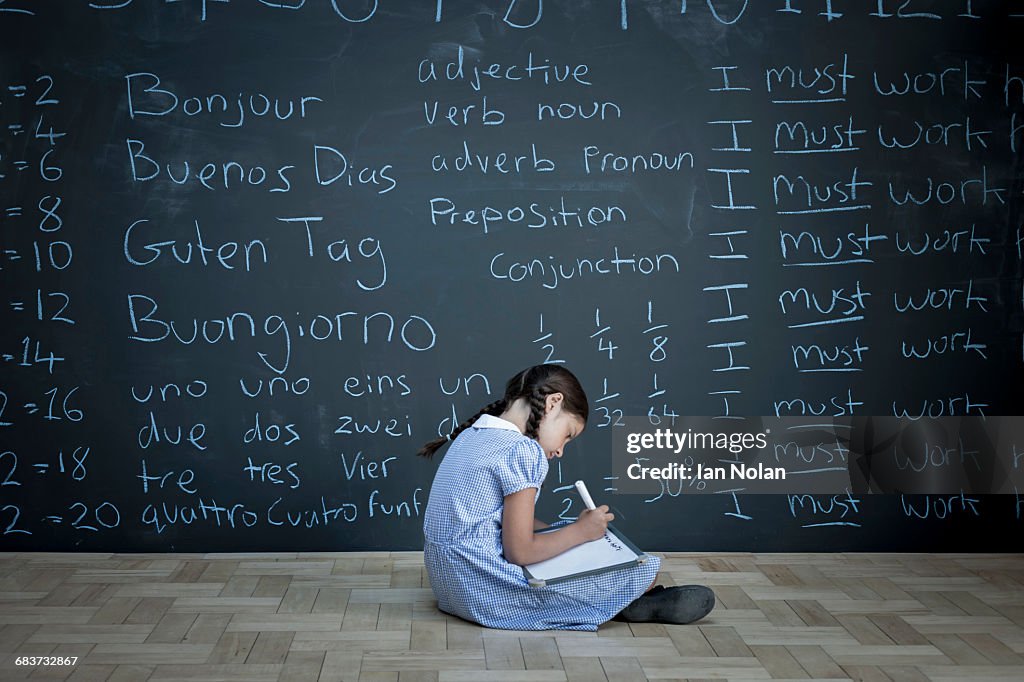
594,522
522,546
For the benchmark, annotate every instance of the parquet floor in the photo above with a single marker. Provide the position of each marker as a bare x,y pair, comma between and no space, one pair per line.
371,616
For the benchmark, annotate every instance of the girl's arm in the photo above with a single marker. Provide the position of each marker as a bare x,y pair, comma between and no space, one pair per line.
522,546
538,524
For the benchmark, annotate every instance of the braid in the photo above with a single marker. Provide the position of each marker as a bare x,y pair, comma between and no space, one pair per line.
428,450
536,400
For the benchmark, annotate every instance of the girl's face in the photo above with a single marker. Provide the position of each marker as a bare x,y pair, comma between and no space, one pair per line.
558,426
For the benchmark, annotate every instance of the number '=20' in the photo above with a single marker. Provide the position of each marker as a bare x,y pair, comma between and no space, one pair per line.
106,515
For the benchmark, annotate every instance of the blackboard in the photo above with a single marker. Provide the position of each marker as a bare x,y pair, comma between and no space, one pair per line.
255,253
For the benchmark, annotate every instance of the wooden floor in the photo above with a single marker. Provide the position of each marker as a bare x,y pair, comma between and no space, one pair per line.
371,616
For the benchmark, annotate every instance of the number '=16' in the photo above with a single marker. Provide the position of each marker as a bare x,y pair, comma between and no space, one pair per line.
70,413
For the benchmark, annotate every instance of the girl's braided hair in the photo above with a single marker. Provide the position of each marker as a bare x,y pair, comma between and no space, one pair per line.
534,384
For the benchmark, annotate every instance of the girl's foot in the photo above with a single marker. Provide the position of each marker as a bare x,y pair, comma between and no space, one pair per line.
676,605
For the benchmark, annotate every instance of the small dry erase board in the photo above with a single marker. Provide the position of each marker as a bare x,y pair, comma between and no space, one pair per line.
612,552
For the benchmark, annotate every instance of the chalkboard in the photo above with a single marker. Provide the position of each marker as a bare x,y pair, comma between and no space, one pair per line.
256,252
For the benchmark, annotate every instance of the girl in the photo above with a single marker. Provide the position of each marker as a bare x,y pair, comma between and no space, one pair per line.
479,521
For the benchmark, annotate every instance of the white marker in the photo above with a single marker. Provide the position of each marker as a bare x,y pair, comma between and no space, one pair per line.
581,488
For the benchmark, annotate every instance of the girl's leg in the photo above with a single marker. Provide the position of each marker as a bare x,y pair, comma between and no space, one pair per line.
650,587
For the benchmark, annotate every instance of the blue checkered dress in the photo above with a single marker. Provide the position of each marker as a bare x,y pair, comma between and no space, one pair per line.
462,541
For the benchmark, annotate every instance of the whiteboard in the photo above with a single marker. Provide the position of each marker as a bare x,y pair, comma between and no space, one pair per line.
613,551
